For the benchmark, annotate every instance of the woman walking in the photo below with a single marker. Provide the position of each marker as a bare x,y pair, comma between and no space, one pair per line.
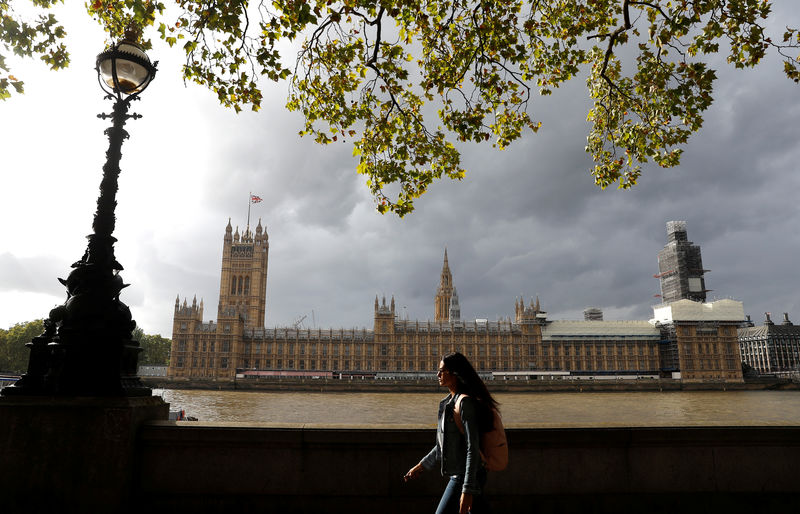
457,440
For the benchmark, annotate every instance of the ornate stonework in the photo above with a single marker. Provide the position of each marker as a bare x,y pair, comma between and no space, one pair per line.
530,345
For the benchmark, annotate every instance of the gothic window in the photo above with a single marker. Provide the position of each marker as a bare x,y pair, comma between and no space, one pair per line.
241,285
247,285
223,363
233,285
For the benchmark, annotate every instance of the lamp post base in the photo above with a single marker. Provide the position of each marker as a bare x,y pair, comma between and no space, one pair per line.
72,454
86,348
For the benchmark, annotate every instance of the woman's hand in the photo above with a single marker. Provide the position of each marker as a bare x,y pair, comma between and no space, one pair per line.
466,503
413,472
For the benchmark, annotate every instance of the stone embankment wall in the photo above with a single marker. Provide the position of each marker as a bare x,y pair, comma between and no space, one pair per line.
104,455
425,386
193,467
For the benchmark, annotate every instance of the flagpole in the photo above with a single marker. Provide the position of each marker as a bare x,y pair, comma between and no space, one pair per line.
249,202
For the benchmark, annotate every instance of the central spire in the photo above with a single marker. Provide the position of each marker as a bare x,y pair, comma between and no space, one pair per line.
444,292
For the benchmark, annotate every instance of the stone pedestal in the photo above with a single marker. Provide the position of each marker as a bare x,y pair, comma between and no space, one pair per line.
71,454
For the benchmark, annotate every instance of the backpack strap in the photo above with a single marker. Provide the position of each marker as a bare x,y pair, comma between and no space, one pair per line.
460,424
457,412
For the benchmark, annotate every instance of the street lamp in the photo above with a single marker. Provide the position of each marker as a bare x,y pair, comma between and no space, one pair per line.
86,348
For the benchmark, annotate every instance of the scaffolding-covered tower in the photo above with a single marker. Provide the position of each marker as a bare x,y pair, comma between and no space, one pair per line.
680,267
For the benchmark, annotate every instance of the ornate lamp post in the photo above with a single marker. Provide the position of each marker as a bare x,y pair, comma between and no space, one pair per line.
86,348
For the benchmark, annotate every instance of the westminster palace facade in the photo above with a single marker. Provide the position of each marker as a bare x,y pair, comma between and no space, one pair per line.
686,339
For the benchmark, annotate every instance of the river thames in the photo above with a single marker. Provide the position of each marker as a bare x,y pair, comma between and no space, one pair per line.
605,409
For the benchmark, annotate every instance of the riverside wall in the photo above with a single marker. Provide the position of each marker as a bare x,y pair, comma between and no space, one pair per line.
100,455
209,468
426,386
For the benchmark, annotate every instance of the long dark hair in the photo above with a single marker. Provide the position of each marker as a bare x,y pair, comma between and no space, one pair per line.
470,383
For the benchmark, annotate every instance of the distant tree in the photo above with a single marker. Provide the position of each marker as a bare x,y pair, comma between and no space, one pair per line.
155,349
13,352
367,69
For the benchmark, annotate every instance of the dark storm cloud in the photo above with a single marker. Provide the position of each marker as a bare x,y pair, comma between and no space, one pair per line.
291,174
526,221
530,220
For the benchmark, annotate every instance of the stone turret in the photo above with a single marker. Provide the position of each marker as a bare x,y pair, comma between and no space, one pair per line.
528,314
186,312
228,232
243,281
384,317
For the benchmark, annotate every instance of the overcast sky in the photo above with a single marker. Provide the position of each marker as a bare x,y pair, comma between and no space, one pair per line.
526,221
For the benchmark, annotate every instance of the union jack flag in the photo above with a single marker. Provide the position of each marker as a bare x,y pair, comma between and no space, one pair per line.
255,199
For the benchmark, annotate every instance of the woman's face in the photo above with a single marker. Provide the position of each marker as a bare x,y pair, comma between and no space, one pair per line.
446,379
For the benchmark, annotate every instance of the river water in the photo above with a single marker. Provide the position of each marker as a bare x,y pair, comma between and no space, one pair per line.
607,409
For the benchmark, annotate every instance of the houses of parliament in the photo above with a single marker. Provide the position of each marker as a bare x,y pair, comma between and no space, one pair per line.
687,338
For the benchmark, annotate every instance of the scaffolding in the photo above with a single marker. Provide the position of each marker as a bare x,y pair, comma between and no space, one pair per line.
680,267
